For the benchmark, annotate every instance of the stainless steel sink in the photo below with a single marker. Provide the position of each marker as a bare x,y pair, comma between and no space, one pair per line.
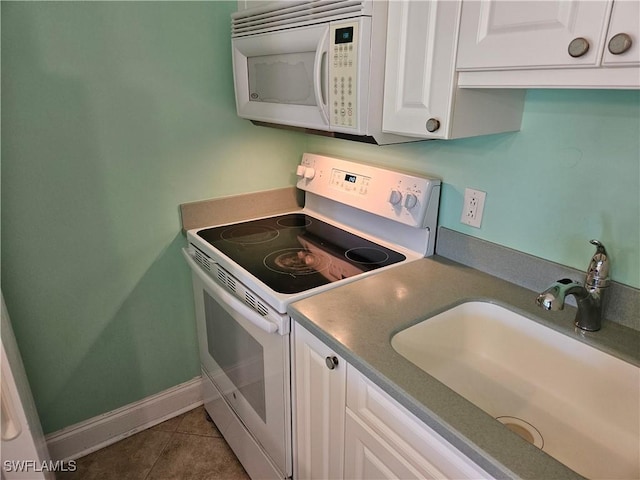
577,403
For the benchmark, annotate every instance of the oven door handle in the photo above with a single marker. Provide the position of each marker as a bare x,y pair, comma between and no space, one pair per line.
225,297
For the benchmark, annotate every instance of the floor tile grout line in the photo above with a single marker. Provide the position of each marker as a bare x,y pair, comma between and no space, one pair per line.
159,456
173,433
201,435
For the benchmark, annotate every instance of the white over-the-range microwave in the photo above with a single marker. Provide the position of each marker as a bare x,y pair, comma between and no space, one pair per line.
317,66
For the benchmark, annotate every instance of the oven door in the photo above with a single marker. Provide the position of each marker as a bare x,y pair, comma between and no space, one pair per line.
248,362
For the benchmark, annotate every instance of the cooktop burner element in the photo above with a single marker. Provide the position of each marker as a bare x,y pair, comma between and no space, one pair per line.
297,261
249,234
294,221
367,255
296,252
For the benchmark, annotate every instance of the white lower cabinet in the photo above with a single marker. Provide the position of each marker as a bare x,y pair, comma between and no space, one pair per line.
319,400
347,427
371,457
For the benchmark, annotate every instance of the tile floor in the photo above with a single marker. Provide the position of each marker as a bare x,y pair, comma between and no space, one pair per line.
186,447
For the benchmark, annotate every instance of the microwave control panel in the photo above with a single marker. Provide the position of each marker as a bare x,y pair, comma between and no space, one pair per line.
343,71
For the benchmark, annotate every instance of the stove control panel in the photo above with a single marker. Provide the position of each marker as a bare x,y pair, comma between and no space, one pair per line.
404,197
349,182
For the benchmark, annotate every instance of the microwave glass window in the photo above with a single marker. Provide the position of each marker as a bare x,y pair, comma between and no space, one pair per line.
285,78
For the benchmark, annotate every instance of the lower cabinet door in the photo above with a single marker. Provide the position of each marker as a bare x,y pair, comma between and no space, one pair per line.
368,456
319,386
382,436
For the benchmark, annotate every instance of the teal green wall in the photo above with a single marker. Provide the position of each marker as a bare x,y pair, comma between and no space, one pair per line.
571,174
115,113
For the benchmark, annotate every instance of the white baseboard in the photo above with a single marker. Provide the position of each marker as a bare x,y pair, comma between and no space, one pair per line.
98,432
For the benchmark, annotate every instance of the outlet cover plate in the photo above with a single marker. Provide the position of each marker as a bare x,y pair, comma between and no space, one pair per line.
473,207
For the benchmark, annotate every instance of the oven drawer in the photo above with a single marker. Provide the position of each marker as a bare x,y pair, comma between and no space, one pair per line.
243,444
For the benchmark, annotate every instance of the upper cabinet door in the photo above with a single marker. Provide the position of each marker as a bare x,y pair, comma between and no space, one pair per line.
623,37
497,34
420,67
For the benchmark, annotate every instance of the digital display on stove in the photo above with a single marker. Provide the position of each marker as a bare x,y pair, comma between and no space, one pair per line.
349,182
350,178
295,252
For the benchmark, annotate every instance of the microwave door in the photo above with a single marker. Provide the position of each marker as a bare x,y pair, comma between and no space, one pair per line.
281,77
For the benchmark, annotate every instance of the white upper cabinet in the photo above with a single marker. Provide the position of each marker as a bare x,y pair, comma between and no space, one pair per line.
420,70
550,43
531,34
421,98
623,35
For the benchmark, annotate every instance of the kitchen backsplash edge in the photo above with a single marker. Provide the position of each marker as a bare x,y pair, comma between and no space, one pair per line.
533,273
235,208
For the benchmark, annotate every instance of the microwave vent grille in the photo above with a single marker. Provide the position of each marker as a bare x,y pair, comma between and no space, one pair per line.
287,14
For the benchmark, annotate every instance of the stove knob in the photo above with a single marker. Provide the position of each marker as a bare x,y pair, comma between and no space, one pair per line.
410,201
395,198
309,173
300,170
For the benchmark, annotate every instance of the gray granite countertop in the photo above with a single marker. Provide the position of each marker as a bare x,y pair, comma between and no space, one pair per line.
358,319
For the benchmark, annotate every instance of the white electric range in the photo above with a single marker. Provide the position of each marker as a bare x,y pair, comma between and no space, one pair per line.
358,219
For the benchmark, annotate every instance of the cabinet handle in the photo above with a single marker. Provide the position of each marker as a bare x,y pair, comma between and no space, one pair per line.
332,362
433,124
620,43
578,47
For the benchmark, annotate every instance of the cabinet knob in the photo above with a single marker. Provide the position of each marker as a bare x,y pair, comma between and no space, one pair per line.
332,362
433,125
578,47
620,43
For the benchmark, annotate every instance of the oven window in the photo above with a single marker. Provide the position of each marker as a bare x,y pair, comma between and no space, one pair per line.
285,78
239,355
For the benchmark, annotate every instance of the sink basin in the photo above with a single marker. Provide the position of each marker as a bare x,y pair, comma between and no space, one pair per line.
576,403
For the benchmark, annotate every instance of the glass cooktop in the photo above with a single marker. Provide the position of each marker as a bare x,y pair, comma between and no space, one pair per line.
296,252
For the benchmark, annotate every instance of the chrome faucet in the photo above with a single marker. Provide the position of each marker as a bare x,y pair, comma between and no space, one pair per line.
588,295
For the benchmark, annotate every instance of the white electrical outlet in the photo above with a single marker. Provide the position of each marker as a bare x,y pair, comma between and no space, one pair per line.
472,207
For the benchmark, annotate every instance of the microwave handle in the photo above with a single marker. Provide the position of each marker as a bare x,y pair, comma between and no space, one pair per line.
321,59
229,299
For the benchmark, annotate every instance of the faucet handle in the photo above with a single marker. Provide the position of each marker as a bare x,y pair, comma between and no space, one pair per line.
598,270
